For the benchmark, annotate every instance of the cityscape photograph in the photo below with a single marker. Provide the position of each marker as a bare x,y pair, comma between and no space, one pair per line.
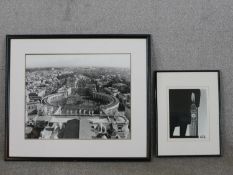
78,96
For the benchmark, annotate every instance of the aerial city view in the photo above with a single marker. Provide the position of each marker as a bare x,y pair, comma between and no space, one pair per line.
77,97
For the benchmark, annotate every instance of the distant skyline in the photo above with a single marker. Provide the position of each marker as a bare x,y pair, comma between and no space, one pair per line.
78,60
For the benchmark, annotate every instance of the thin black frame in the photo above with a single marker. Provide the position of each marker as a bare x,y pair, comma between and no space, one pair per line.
155,103
147,37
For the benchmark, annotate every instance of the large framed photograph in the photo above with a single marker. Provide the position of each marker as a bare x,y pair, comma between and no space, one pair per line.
76,97
188,113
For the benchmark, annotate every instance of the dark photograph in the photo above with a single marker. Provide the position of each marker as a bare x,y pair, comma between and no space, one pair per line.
77,96
188,113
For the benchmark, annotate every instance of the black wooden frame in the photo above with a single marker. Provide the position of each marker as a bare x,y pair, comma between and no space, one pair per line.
155,103
86,36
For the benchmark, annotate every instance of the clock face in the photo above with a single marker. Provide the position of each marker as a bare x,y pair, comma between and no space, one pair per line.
193,116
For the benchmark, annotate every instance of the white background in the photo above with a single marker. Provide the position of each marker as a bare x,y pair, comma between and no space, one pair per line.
188,146
136,147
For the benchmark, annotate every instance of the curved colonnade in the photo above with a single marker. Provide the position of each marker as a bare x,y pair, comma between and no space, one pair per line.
52,108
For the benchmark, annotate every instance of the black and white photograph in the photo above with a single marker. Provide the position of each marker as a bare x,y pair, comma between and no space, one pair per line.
77,96
187,107
87,95
188,113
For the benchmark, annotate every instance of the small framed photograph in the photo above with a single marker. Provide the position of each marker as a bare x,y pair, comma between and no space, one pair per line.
188,113
76,97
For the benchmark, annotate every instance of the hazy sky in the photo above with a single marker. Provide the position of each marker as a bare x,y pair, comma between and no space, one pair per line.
103,60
